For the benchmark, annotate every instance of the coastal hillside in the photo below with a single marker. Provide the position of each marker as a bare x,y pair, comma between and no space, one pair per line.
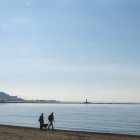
7,97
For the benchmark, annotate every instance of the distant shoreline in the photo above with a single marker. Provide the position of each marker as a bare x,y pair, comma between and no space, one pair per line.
59,102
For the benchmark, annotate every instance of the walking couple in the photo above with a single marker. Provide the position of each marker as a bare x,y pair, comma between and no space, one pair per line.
50,121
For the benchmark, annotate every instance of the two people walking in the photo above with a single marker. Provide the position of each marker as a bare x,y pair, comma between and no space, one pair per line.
50,121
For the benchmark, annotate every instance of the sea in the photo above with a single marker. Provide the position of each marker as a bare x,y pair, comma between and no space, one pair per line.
104,118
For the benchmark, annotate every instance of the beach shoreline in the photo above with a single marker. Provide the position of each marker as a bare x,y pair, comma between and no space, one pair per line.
29,133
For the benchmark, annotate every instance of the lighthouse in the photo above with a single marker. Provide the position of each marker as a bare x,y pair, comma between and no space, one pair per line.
86,101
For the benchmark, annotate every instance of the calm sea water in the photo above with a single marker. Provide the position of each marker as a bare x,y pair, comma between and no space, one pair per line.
111,118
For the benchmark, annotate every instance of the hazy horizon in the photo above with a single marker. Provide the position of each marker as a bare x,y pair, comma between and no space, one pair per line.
70,50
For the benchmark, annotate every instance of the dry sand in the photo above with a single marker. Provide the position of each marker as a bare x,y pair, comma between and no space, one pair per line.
27,133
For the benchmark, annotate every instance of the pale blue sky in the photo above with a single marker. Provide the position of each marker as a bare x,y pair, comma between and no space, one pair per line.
70,49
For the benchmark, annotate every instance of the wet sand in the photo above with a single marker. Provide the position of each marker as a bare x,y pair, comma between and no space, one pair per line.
27,133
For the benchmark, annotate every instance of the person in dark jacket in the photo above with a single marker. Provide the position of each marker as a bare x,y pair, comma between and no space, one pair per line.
51,120
41,120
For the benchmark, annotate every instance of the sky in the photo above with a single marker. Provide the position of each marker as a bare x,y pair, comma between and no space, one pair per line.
70,50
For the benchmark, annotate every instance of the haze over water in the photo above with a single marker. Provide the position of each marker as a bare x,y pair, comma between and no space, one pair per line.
70,50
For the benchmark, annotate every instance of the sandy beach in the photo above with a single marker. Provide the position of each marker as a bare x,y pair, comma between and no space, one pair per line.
27,133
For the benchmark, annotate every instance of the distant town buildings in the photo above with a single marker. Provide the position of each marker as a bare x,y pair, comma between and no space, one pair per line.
5,97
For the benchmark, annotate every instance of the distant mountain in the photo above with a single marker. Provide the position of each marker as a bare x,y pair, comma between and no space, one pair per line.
7,97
